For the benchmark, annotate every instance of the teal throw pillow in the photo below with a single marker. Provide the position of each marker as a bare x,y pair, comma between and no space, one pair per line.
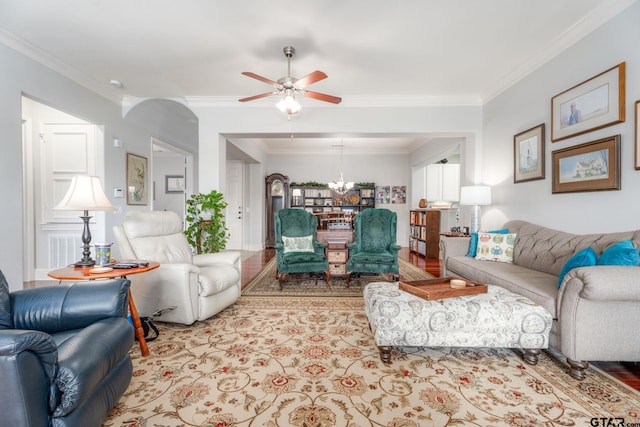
584,258
622,253
473,241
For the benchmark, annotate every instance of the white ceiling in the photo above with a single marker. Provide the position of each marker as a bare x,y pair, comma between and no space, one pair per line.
428,52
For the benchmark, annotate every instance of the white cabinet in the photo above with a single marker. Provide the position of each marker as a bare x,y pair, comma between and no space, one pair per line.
443,182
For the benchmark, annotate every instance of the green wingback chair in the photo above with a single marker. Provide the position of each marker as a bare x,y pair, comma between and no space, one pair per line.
374,248
297,250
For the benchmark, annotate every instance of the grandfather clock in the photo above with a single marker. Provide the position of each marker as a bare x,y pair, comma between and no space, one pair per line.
277,198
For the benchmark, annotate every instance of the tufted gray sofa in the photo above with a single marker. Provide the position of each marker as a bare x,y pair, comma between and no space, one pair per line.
596,310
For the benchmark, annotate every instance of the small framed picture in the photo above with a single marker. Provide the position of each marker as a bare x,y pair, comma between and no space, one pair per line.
594,166
137,191
528,155
174,184
593,104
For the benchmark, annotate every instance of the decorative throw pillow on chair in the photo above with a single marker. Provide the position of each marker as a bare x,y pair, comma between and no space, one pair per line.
495,247
298,244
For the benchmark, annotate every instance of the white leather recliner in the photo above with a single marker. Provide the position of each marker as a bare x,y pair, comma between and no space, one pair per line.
198,286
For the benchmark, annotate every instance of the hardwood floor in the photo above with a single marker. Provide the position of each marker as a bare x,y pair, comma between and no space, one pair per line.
627,372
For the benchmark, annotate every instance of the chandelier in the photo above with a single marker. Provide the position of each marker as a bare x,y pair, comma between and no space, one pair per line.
341,187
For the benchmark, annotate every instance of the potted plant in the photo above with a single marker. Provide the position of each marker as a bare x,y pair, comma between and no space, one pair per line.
206,231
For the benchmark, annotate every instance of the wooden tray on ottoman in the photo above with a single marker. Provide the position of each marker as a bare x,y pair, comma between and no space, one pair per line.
440,288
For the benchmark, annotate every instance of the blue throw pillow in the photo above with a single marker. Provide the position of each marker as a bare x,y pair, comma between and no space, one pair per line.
622,253
584,258
473,241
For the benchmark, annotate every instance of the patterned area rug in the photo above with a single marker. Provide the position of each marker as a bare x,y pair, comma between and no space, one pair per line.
266,284
270,361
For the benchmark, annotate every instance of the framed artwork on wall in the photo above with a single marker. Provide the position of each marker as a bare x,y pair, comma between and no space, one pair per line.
593,104
137,192
593,166
528,154
637,132
174,184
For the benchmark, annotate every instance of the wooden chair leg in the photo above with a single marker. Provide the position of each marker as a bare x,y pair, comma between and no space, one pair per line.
327,278
282,277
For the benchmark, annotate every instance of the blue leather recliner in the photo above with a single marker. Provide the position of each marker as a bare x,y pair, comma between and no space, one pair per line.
64,352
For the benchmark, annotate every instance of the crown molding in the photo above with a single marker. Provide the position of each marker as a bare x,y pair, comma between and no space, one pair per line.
605,11
38,55
347,101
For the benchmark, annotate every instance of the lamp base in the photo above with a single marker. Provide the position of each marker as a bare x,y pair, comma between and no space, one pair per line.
85,263
86,260
475,218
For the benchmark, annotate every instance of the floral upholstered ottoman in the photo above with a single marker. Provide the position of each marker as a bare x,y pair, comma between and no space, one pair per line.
498,318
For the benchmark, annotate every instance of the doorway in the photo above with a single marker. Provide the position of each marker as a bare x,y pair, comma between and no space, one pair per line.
56,147
172,172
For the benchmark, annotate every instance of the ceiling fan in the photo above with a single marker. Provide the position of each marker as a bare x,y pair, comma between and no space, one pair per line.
289,87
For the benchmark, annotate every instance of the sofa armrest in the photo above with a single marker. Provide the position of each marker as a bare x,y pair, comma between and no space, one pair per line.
66,307
227,257
593,303
452,247
604,283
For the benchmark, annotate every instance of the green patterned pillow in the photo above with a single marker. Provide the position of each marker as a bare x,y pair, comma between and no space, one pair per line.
298,244
495,247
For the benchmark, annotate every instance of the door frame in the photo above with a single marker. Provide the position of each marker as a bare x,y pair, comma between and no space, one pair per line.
189,173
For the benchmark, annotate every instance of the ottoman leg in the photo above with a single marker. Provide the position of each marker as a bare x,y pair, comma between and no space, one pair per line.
385,354
531,355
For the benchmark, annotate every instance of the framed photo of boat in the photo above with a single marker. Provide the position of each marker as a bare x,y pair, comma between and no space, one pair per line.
593,166
593,104
528,154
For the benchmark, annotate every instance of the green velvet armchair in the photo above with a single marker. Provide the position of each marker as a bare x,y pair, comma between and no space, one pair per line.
297,250
374,249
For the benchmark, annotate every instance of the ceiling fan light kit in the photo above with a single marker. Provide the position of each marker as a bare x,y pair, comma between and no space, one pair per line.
288,87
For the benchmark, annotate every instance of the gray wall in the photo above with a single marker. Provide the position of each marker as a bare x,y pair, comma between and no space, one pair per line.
20,75
528,103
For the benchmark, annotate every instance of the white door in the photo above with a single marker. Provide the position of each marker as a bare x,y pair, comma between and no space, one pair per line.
63,151
234,196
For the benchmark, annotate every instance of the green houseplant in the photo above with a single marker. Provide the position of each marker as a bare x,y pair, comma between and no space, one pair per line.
206,231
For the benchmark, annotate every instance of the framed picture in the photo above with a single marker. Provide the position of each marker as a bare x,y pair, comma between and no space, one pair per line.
528,155
593,104
637,152
137,192
174,184
593,166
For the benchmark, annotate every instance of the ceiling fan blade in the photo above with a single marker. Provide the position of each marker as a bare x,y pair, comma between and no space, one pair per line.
311,78
262,95
322,97
262,79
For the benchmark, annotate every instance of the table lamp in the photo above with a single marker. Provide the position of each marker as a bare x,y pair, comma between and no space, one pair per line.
85,194
475,196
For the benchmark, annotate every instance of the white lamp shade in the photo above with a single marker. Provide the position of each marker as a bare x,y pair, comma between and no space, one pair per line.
475,195
296,192
85,194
